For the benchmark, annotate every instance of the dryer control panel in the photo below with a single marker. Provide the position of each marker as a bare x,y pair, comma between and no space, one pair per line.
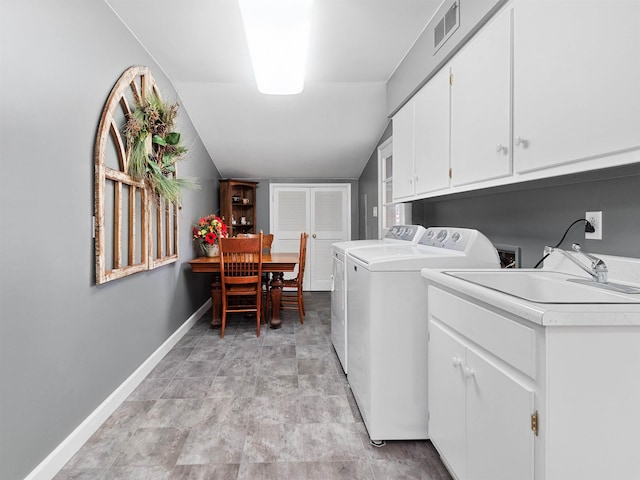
407,233
469,241
449,238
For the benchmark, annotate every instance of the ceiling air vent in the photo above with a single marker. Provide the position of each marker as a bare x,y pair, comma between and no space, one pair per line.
446,26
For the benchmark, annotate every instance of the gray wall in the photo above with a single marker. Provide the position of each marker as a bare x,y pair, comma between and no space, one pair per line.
65,343
368,188
536,214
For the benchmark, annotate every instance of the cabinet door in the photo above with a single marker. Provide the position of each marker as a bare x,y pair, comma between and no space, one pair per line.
403,139
480,105
431,132
447,397
500,442
576,81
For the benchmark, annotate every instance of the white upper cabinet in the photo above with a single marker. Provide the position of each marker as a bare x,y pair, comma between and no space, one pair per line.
545,88
403,140
431,132
481,105
421,141
576,83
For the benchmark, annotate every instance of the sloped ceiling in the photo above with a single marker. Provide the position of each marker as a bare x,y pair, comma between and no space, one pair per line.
327,132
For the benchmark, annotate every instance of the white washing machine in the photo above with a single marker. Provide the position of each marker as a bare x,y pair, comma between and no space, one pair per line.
387,329
398,234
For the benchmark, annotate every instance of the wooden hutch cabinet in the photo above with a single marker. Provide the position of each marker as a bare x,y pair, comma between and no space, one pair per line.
238,205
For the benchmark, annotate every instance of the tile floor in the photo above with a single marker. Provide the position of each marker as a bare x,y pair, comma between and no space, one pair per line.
274,407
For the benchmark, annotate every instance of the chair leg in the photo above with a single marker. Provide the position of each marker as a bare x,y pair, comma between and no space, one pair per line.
258,311
300,307
224,317
258,325
265,304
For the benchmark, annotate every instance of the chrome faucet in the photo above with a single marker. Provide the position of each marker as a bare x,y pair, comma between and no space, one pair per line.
598,268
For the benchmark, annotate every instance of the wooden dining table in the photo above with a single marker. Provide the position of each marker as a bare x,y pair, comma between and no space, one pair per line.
275,263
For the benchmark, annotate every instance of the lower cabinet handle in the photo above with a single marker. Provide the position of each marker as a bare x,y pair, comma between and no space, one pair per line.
468,373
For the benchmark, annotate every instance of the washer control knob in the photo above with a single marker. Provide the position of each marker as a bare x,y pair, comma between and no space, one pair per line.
455,238
442,234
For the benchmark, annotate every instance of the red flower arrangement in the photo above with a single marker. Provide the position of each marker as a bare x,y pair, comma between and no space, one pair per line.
209,229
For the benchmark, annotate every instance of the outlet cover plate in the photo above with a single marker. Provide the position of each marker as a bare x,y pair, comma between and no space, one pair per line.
596,220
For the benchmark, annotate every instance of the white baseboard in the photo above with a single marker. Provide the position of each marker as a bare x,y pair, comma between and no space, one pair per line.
58,458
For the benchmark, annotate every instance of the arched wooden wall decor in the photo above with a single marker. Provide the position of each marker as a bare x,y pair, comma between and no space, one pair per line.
135,228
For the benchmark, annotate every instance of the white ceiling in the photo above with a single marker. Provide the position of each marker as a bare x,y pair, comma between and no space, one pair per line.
327,132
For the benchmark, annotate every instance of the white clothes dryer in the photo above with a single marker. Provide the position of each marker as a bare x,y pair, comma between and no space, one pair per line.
387,328
397,235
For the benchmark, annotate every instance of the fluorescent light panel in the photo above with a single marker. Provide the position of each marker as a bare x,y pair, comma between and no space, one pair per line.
277,33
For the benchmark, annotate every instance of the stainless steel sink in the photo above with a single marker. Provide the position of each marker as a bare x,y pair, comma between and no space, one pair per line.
545,286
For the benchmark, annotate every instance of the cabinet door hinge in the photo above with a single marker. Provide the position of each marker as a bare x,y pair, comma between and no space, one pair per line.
451,173
451,79
534,422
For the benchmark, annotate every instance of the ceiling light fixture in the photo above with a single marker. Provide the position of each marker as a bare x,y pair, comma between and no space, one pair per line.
277,33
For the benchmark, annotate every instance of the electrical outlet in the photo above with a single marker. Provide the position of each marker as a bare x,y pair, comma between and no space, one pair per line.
375,212
595,218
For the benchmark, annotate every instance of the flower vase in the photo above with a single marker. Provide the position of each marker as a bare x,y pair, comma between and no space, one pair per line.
211,249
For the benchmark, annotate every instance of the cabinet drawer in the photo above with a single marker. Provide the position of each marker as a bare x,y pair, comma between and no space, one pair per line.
510,341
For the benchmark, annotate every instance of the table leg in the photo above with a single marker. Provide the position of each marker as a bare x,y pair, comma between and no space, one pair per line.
275,291
216,302
266,301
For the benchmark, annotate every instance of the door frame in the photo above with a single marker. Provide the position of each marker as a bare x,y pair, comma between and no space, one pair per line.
385,150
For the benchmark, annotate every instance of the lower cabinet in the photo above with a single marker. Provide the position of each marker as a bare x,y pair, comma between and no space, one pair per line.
447,398
510,399
480,416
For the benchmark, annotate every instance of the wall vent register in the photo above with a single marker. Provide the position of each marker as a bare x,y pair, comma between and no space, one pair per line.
446,26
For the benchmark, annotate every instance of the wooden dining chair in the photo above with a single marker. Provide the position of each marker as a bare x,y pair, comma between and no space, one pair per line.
241,277
292,293
267,240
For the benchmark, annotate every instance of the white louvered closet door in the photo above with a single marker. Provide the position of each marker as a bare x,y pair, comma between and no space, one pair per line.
323,211
330,223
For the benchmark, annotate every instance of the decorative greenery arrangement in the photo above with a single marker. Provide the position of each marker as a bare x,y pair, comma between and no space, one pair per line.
209,229
157,164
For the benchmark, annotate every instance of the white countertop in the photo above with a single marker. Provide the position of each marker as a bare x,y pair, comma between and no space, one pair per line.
551,314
